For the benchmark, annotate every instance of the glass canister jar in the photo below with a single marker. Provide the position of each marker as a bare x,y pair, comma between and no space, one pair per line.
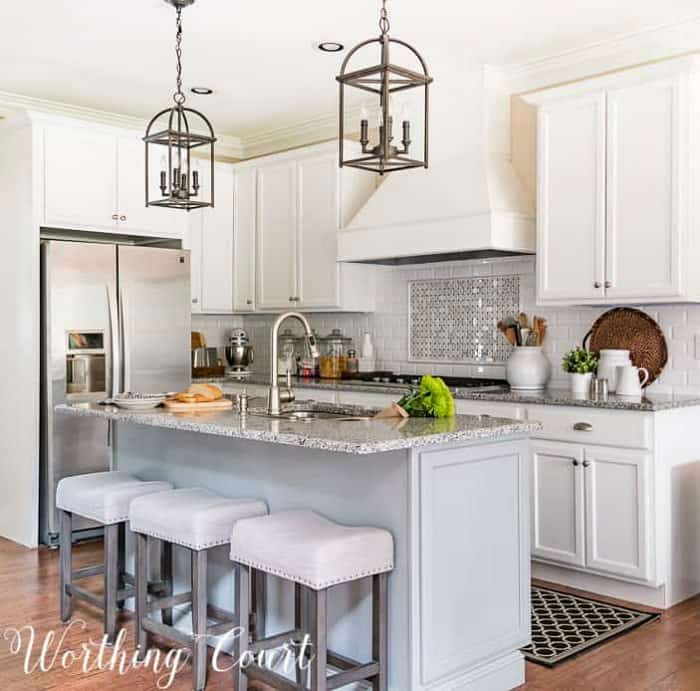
334,348
289,351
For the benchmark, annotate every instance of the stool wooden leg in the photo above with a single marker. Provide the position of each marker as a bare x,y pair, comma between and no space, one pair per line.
259,597
199,618
111,580
166,576
241,609
122,561
66,567
141,593
318,600
300,624
380,631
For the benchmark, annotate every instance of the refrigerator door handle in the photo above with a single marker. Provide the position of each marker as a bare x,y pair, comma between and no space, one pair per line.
126,341
114,330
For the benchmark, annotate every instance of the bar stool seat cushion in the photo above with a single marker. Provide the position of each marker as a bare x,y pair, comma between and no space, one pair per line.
306,548
103,497
195,518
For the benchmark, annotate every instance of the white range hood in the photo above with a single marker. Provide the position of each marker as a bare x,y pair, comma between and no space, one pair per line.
463,208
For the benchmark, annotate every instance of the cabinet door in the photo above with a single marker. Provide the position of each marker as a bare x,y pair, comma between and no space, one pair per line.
217,245
134,216
617,511
276,235
647,142
557,503
317,237
244,217
80,178
194,244
571,199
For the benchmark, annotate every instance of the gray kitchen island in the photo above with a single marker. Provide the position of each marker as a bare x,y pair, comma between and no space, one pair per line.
453,493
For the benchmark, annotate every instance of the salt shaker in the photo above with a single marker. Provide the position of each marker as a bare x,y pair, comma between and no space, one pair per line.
242,399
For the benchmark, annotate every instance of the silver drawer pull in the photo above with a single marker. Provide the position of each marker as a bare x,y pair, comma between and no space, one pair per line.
583,427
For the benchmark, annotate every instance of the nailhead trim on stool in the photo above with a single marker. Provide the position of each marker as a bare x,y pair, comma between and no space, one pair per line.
104,498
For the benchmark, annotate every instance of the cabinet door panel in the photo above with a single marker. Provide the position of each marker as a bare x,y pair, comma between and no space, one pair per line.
646,138
217,245
571,199
318,231
134,216
80,178
276,236
617,512
558,503
244,218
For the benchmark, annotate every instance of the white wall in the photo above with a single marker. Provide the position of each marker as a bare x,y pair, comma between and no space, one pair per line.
567,326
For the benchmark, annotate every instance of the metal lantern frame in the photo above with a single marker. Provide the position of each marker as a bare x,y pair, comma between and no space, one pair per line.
384,80
173,128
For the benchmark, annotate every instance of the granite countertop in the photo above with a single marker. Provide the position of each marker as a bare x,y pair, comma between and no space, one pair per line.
353,437
650,402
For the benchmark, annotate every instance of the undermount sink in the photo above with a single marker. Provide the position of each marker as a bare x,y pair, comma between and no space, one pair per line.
310,415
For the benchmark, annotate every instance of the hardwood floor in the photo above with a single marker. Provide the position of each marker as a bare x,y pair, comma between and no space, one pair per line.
663,655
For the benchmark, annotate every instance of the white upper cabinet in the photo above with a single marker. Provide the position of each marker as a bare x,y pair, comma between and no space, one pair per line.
244,225
80,178
616,193
571,199
646,171
276,234
94,180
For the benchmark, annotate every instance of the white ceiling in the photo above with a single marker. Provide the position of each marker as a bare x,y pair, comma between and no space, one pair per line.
258,56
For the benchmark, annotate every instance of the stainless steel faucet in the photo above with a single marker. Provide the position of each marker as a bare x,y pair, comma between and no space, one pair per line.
275,396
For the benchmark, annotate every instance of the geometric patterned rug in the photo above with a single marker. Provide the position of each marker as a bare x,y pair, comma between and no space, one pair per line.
565,625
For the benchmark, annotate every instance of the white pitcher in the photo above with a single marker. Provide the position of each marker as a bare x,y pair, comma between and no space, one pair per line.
628,381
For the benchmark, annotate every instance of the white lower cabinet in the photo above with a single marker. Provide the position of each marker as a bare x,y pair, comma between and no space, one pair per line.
618,512
558,502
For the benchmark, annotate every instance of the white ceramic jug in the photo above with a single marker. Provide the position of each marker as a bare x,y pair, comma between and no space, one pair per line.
610,360
528,368
628,383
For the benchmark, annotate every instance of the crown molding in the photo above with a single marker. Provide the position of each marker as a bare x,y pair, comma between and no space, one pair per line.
312,131
627,50
228,146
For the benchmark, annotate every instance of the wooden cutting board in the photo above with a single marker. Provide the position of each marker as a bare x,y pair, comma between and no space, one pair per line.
179,407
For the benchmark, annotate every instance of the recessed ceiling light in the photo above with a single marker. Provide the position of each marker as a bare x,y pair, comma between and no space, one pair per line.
330,47
202,90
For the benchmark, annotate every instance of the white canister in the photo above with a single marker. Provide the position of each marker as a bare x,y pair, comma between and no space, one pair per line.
580,383
528,368
609,361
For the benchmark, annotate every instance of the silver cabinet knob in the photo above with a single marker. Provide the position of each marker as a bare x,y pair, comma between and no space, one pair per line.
122,218
608,284
291,299
586,464
195,301
574,462
115,217
597,284
248,302
583,427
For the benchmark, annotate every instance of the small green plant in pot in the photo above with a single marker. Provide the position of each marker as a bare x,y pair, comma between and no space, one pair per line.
581,364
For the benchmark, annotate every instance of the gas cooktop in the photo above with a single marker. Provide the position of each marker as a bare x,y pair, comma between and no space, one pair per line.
390,378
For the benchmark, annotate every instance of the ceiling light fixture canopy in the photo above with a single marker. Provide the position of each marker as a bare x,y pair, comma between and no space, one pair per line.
383,80
177,131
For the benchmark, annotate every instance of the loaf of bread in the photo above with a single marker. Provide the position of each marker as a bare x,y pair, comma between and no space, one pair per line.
200,393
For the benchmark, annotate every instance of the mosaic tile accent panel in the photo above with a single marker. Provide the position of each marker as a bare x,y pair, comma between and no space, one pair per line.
454,319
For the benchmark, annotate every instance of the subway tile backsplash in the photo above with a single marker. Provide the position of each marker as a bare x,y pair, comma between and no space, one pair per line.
389,325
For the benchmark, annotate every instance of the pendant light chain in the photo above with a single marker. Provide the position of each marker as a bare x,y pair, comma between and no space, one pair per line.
384,24
178,96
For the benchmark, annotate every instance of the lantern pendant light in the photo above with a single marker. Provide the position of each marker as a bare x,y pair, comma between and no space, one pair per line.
383,80
171,136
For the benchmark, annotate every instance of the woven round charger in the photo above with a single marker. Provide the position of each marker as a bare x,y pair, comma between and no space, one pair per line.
630,329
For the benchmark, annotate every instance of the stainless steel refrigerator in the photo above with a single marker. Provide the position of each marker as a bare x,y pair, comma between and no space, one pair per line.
115,318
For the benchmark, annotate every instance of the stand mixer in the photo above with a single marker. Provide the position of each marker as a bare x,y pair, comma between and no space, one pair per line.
239,353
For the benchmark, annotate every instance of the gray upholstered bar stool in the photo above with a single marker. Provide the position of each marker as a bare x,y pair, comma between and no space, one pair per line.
315,554
104,498
198,520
